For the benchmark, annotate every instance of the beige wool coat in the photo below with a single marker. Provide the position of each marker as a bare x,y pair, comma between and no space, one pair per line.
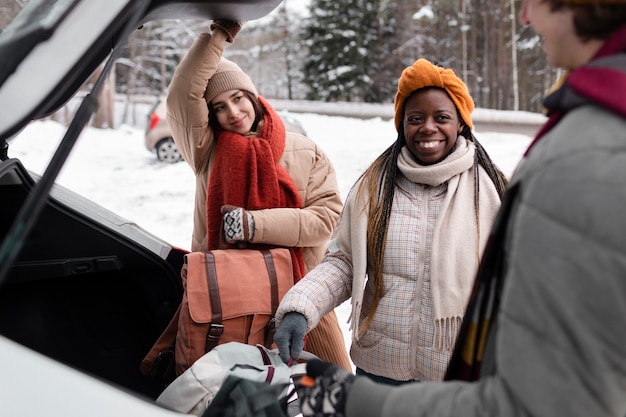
313,174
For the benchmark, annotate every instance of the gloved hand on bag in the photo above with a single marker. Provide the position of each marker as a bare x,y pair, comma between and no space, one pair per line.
238,224
289,337
327,397
231,27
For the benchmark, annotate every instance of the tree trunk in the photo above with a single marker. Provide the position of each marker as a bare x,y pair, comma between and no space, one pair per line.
515,82
105,101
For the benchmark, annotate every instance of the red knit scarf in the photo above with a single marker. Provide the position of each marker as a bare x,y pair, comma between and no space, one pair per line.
246,174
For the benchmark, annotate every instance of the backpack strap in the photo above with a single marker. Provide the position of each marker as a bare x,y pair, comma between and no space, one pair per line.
271,271
216,328
159,362
270,329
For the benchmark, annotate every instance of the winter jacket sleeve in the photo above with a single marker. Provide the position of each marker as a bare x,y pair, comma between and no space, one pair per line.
312,225
331,282
187,110
559,339
320,291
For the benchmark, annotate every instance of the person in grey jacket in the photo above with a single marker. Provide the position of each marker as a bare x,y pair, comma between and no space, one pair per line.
545,330
409,240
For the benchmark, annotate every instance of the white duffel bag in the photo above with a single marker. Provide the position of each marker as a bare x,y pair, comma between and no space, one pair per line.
193,390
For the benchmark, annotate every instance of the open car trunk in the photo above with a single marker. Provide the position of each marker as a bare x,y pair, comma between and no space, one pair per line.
79,285
88,289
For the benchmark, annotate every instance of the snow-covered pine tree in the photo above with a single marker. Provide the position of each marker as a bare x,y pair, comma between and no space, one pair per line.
349,44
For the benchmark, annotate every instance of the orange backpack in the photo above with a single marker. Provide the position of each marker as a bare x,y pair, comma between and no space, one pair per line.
230,295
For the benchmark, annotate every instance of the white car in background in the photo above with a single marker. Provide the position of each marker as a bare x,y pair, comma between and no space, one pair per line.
158,137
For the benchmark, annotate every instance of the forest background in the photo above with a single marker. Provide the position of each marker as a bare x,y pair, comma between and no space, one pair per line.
353,51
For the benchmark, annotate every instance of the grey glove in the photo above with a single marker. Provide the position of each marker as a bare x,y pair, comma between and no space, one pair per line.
327,397
231,27
289,337
238,224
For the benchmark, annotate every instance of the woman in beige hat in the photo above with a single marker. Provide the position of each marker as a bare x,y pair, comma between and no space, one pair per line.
410,238
260,184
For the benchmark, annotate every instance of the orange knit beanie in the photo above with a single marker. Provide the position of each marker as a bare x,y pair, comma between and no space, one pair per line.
424,74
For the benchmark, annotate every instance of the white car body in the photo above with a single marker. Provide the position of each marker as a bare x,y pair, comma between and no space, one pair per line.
32,384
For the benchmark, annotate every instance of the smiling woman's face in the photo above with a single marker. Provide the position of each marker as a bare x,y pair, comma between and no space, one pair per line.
431,125
234,111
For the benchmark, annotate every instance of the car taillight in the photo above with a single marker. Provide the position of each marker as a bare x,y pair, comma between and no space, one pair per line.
154,119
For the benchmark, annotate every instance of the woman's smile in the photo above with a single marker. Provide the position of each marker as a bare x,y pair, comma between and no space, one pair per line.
431,125
431,144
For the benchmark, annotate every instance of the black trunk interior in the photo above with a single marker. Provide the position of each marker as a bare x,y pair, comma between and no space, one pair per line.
83,293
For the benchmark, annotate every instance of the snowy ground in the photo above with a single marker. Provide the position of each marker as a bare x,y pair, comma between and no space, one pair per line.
113,168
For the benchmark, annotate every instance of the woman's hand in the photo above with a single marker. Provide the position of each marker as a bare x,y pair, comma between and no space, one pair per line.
230,27
238,224
326,389
289,336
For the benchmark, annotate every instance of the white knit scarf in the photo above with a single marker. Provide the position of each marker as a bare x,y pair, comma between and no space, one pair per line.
457,238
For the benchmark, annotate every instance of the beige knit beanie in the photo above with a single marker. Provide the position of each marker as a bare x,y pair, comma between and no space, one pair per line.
228,77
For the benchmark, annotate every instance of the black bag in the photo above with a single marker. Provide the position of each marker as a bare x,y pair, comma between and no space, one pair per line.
239,397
